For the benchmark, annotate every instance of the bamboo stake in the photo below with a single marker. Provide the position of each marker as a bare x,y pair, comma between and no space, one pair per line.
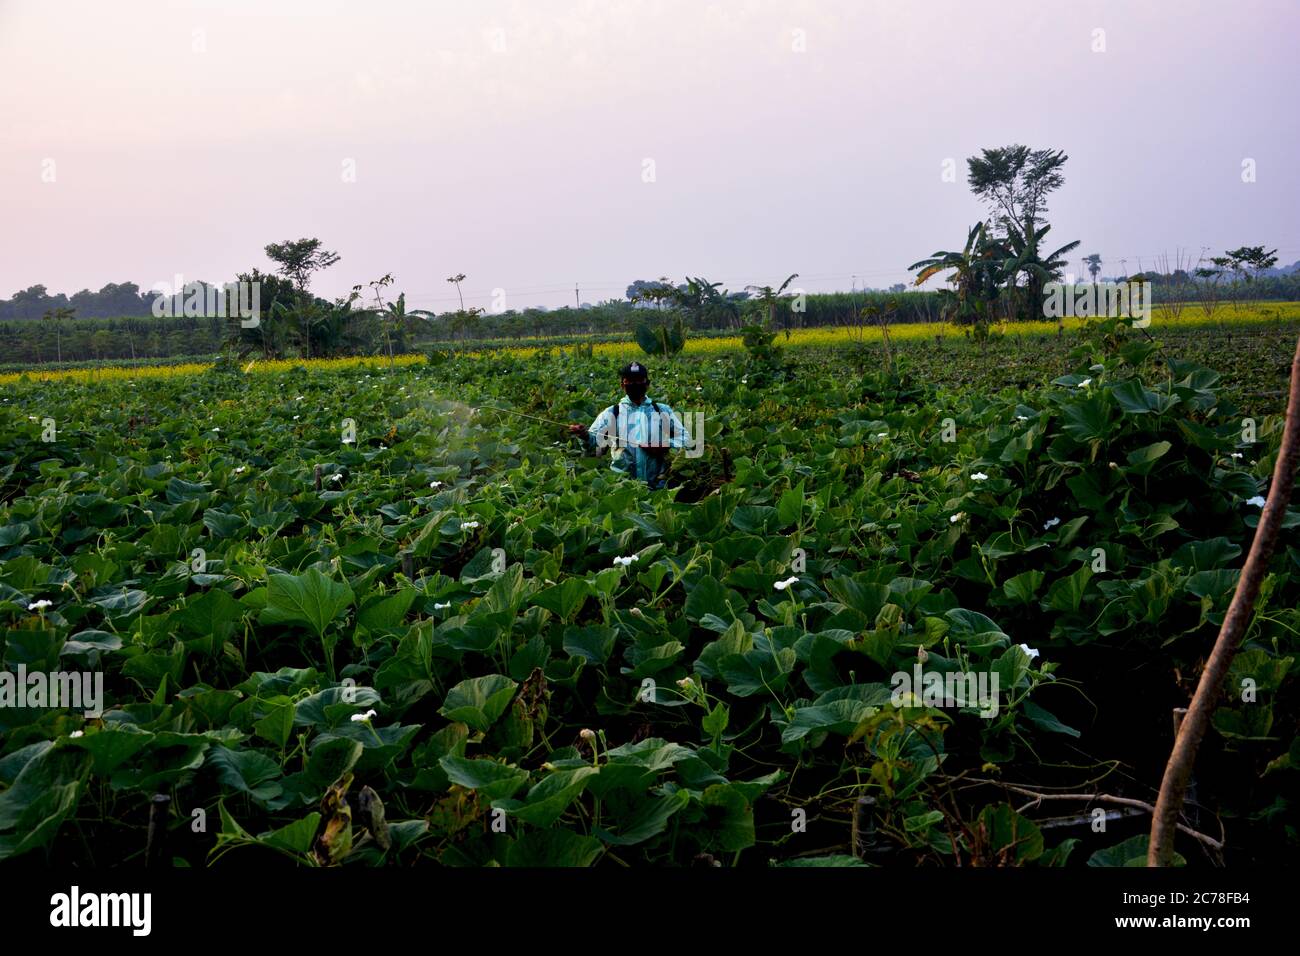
1160,848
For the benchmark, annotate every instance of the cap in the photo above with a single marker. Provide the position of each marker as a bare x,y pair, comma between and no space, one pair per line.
634,370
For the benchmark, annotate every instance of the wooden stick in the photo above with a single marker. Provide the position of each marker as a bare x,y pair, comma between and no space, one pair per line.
1160,848
156,842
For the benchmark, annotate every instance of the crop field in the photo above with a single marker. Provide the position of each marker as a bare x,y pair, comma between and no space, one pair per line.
371,613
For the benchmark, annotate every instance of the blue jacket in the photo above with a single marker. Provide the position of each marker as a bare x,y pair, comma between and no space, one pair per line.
634,426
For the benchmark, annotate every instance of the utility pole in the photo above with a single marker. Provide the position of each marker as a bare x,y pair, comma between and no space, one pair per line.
577,304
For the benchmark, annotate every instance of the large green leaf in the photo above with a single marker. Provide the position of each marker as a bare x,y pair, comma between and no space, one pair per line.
247,771
1132,852
479,701
492,780
542,848
564,599
45,791
311,599
549,799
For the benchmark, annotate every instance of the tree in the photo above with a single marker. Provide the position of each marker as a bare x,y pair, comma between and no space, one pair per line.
297,260
705,304
457,279
277,305
770,297
57,317
652,292
655,292
1247,262
1015,181
1093,262
394,318
976,272
100,341
1038,270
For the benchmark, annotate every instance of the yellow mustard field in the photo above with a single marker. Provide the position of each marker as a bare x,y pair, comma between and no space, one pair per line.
1192,317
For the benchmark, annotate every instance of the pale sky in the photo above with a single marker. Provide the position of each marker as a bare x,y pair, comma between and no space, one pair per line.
510,140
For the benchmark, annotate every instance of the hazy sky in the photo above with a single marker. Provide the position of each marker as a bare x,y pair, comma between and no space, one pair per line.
510,140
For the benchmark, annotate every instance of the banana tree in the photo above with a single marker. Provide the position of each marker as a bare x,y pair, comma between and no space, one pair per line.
706,303
393,317
1024,259
974,274
770,297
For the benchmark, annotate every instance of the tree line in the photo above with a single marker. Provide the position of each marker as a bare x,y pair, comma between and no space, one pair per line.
999,274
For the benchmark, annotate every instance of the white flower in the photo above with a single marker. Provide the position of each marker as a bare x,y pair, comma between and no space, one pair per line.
1051,523
31,418
699,388
40,605
953,519
442,607
782,585
1085,383
1258,501
295,418
77,733
241,469
215,428
587,734
1031,652
336,477
1022,418
298,399
359,718
685,683
1236,454
979,476
435,484
468,525
625,562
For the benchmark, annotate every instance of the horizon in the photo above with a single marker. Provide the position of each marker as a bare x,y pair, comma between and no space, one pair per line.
413,156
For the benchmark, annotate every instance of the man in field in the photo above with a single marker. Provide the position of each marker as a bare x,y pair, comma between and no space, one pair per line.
638,431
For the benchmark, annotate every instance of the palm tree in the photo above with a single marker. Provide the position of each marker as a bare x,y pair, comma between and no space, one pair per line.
58,317
1093,262
457,279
